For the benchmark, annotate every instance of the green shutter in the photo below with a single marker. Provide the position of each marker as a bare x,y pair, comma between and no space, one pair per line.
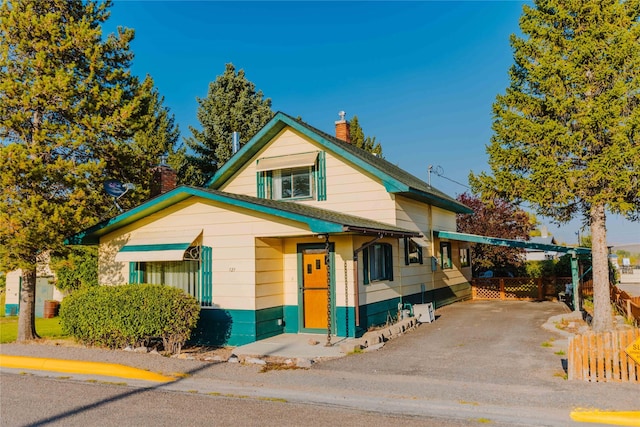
206,282
388,259
406,251
365,266
321,174
260,178
135,272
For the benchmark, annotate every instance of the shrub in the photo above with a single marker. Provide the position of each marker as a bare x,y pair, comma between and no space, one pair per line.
117,316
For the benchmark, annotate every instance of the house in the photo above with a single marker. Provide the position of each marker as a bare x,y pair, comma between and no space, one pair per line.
540,254
45,288
299,232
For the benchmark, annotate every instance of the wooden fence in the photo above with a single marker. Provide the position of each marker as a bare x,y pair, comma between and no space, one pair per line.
626,305
602,357
518,288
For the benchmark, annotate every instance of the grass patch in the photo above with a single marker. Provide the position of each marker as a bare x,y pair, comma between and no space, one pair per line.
46,328
559,353
562,375
484,421
548,343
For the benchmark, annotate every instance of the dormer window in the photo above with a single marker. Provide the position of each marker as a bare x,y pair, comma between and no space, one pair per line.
293,177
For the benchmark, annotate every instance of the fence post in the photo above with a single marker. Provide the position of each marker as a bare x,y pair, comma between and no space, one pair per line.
502,296
540,296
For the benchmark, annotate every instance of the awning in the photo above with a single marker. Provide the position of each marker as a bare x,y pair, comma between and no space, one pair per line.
421,241
287,162
497,241
166,245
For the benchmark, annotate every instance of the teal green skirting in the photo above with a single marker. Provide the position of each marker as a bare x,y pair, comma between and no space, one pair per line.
11,309
376,314
219,327
267,322
291,320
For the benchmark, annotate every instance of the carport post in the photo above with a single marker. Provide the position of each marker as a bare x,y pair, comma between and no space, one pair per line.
575,279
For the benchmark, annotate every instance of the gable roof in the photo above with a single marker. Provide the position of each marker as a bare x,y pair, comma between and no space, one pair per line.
395,179
318,220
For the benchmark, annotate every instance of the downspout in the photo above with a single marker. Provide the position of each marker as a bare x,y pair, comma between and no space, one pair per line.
356,283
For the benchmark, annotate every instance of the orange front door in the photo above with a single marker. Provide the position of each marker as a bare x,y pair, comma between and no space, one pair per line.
314,290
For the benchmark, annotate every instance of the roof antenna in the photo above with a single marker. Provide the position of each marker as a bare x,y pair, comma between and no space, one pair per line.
116,189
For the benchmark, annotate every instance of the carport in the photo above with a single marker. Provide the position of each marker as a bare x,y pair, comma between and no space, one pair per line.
496,241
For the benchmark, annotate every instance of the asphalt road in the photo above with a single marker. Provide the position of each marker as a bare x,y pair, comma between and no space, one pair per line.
479,362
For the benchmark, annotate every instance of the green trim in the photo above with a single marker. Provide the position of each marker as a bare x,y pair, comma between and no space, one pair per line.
156,247
496,241
206,281
136,274
449,260
260,183
322,176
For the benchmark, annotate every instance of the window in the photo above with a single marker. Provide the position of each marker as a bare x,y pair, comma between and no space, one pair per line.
445,255
377,263
294,183
295,177
192,275
412,252
464,257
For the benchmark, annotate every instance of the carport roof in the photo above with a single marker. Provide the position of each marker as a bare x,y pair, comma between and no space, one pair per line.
496,241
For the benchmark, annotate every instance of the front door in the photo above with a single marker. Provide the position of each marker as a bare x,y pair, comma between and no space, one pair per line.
314,289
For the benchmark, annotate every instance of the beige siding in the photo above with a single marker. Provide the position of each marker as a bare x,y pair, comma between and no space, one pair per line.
269,273
349,189
443,220
230,232
455,275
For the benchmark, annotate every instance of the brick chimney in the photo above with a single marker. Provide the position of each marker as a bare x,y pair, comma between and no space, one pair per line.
342,128
164,178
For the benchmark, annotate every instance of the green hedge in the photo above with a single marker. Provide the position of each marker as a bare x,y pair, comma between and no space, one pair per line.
117,316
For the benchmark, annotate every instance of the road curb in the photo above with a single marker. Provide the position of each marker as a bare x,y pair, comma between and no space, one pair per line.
618,418
80,367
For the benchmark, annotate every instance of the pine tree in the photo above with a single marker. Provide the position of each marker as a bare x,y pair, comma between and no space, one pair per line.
359,140
232,105
155,140
67,101
566,131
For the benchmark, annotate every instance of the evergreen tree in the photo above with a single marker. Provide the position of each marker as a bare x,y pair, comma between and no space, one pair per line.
566,132
359,140
498,218
154,141
67,103
232,105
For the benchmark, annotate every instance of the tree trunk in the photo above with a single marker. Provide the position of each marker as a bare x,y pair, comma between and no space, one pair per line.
602,313
27,317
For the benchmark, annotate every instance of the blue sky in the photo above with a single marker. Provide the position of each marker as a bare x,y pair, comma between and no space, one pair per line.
420,76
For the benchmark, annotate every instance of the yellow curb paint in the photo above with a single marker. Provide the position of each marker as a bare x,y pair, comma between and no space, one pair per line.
80,367
618,418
